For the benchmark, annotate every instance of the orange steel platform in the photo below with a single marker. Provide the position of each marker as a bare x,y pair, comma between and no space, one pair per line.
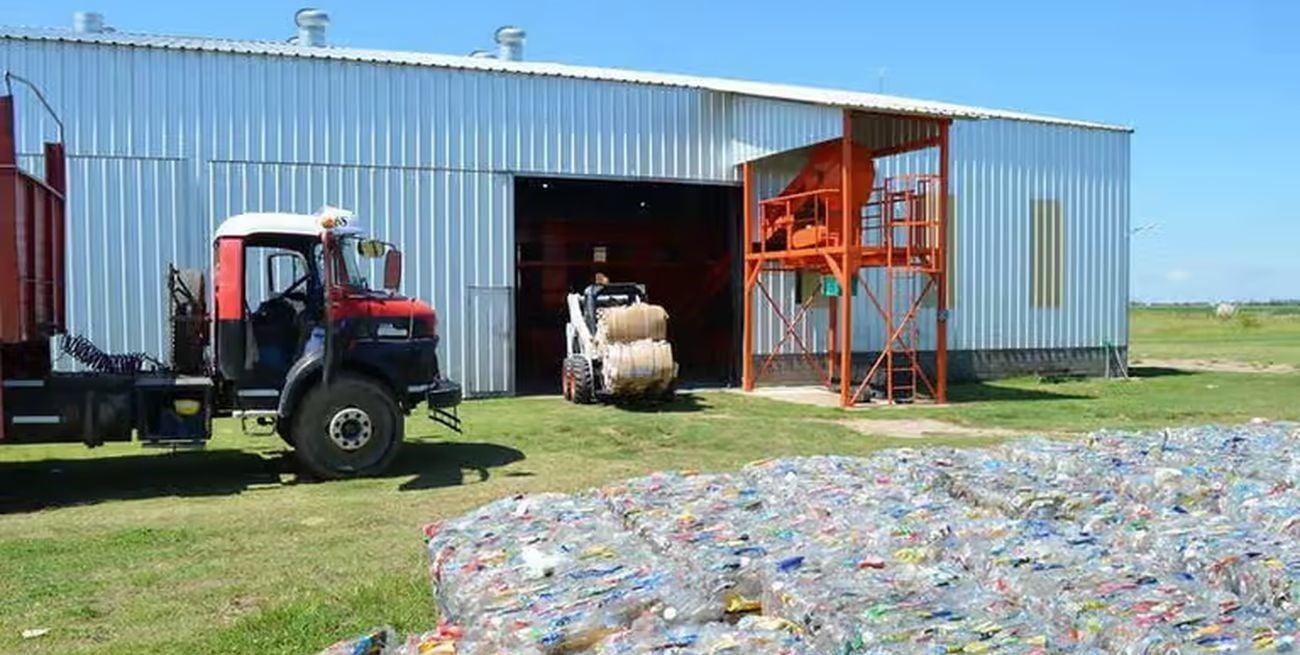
897,224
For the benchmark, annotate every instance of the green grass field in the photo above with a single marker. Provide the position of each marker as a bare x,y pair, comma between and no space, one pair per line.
123,550
1258,334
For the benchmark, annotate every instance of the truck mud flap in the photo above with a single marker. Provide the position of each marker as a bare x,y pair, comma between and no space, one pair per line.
442,399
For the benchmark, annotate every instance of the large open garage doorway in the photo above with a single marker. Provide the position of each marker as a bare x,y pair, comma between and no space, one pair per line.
677,239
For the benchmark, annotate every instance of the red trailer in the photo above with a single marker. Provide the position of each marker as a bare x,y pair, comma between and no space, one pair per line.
31,254
324,360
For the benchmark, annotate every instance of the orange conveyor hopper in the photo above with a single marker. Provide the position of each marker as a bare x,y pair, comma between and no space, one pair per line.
809,211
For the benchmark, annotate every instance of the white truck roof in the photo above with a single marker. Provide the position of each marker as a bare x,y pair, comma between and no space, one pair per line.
243,225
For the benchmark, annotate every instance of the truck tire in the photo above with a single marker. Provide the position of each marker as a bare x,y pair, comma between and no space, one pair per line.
584,381
351,428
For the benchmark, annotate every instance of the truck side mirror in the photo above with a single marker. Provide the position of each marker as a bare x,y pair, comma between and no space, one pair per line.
392,270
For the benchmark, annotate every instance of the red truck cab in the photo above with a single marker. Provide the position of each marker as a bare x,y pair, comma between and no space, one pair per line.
304,341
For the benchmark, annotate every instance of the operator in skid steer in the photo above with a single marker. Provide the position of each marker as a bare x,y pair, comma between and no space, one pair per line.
617,346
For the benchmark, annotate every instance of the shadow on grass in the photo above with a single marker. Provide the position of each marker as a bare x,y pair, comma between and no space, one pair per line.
443,464
1156,372
33,485
681,402
982,392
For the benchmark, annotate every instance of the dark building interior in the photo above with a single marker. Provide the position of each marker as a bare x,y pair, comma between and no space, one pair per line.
677,239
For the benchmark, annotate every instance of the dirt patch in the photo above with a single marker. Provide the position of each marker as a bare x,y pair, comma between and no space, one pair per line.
1213,366
920,428
803,395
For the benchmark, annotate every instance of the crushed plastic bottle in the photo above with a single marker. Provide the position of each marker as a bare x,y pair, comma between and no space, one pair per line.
1175,541
554,574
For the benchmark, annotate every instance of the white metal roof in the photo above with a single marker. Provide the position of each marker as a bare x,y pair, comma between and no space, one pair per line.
873,102
243,225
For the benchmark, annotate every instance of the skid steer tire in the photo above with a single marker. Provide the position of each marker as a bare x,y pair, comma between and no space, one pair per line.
351,428
669,393
566,379
583,388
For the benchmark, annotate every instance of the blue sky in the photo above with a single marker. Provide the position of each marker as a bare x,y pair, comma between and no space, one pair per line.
1213,88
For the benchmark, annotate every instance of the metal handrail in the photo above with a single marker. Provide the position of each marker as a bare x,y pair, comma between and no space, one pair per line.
9,89
801,194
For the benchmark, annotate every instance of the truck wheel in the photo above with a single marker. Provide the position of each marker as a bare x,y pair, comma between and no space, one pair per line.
351,428
566,378
286,434
583,387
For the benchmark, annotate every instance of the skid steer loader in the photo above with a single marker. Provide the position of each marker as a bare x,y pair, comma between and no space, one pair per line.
617,346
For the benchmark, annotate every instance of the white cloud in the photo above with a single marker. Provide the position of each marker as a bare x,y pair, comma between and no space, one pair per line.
1178,275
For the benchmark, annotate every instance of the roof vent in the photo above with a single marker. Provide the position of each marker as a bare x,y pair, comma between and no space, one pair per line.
311,24
482,54
89,22
510,43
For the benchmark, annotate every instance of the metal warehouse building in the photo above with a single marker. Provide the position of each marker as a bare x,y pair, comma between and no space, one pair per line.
509,182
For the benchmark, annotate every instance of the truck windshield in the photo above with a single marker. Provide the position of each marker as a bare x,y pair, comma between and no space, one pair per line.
350,273
348,264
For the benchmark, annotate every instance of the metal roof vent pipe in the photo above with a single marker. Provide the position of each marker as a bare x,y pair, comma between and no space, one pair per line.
311,24
482,54
510,43
88,22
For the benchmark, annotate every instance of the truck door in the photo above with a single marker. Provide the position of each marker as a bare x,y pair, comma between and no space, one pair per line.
228,300
267,299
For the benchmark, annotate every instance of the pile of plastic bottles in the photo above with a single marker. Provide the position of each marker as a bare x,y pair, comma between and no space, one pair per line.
1175,541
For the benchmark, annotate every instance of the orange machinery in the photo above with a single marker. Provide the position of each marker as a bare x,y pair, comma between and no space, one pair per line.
896,225
806,214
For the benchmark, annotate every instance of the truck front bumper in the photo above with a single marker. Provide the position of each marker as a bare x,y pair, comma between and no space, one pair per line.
443,394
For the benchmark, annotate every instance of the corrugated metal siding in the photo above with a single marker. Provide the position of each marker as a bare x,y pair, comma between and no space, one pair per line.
766,127
126,230
168,143
999,168
135,102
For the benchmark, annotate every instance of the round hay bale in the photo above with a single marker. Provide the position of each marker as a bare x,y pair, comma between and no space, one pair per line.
638,367
632,323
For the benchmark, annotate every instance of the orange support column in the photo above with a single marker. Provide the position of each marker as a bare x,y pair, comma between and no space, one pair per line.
747,312
848,263
846,333
831,340
941,316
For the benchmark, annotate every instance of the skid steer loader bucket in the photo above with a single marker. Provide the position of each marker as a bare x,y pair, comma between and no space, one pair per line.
618,346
